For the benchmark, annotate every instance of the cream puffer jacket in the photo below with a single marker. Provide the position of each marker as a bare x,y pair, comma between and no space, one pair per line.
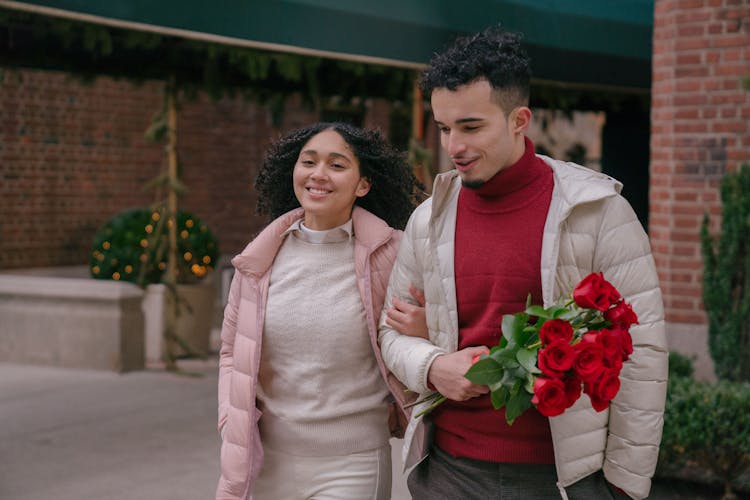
375,247
589,228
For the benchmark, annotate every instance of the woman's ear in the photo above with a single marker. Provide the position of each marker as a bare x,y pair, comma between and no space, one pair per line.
363,187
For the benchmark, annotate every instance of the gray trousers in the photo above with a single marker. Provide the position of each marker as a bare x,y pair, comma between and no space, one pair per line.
443,477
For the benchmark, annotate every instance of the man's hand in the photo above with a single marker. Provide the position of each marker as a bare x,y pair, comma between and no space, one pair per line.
447,374
406,318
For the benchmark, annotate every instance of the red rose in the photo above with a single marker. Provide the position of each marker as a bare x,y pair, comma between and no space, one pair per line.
603,390
622,314
554,329
626,342
556,358
572,389
549,396
611,342
589,361
594,292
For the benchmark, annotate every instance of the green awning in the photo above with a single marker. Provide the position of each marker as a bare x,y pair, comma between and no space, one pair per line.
594,42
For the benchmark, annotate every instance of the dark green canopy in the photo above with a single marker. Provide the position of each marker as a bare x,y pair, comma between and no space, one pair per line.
592,42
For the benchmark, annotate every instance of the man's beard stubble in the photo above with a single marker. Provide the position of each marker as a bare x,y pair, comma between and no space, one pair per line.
472,184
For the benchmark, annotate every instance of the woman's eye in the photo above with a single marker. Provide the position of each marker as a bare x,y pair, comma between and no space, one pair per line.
338,166
308,162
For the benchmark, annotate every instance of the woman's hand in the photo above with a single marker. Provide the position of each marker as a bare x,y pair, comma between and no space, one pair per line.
407,318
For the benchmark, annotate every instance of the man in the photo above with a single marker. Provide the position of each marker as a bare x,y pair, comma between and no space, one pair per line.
503,224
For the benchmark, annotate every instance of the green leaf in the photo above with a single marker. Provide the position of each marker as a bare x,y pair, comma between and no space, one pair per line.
486,371
527,359
496,386
533,339
499,397
506,357
509,378
556,311
537,311
509,320
513,326
529,386
516,405
567,315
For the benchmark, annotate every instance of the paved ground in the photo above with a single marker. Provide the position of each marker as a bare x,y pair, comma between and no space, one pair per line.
81,434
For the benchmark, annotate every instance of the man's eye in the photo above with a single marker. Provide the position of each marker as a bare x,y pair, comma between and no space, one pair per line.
471,128
444,130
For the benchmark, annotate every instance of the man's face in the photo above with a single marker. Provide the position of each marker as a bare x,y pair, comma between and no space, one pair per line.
475,132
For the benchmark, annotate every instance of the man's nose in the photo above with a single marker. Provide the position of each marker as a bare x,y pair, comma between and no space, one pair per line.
455,144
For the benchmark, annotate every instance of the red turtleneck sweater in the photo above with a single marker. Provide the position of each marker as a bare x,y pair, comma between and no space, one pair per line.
498,248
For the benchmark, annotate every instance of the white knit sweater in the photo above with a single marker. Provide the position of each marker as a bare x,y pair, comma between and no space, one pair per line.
319,386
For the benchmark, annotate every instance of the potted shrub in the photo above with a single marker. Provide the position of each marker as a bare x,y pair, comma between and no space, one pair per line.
132,246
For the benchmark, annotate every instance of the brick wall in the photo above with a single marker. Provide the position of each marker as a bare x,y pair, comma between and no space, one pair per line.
700,130
74,154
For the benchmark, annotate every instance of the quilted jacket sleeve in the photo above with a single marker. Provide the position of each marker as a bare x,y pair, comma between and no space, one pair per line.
636,415
226,354
408,358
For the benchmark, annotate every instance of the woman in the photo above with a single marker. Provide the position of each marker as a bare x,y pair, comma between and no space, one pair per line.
300,369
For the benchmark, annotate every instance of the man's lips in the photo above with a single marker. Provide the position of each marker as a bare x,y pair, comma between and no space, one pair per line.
464,164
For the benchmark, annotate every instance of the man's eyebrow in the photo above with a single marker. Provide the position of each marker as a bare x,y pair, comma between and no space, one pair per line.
463,120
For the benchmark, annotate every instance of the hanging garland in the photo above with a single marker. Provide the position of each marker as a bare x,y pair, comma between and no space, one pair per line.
90,50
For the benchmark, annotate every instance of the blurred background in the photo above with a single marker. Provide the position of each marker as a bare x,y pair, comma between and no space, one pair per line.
115,111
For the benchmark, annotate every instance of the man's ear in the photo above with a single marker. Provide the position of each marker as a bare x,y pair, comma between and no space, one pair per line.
363,187
520,119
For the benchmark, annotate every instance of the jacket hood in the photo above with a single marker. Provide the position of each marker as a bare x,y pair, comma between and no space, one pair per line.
369,230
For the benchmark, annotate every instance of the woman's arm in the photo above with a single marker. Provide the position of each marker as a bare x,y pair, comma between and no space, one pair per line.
408,318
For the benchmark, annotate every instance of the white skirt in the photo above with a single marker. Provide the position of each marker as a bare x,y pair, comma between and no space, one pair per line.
358,476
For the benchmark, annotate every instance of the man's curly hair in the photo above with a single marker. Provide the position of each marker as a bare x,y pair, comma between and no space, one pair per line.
394,191
493,54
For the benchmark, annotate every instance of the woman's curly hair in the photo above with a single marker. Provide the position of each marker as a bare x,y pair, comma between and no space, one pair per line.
394,191
493,54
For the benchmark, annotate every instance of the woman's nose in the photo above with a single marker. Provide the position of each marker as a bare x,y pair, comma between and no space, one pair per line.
318,171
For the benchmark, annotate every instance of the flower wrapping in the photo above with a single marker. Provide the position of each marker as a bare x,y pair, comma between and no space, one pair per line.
548,357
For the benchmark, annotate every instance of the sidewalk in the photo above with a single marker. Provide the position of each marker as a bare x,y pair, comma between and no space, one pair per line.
81,434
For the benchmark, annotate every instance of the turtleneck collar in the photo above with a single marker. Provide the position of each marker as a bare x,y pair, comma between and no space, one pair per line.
510,188
338,234
511,178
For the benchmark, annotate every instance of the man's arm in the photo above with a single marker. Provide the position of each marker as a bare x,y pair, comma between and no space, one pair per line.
407,357
636,418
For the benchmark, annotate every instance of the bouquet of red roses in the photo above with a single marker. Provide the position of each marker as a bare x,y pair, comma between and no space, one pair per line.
547,356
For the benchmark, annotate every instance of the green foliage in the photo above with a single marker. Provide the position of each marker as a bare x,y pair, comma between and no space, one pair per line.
680,366
132,247
726,279
88,50
708,425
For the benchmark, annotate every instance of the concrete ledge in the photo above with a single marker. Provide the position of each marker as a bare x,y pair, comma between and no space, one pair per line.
51,317
692,341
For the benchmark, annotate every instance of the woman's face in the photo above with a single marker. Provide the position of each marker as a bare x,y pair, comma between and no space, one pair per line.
327,181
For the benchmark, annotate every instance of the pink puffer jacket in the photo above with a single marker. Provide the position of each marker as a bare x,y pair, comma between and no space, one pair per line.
375,248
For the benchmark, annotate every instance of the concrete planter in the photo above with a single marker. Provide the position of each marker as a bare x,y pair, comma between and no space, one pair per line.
193,324
58,316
